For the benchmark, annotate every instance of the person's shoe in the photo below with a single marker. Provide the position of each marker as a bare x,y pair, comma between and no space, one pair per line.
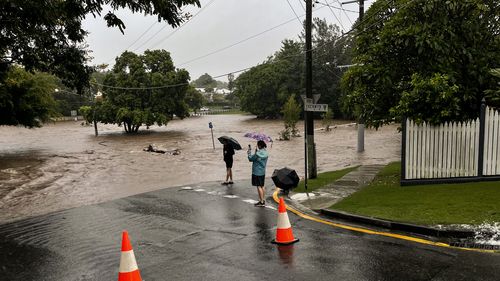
230,182
260,204
225,183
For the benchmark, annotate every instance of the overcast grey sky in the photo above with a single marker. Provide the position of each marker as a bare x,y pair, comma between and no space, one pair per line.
221,23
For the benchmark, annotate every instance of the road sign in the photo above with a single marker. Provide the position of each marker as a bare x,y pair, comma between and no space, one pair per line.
316,107
316,97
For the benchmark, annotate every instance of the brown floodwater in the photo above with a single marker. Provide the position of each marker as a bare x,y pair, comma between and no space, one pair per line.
63,165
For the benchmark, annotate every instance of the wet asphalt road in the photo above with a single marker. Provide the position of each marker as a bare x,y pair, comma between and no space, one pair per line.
211,233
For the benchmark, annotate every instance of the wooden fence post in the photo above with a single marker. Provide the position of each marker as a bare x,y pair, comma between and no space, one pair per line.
482,119
403,149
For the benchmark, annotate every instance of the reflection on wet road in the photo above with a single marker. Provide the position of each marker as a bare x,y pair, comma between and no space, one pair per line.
210,232
63,165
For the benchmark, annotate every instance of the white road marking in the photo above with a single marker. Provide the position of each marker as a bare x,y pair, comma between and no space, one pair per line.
186,188
250,201
199,190
231,196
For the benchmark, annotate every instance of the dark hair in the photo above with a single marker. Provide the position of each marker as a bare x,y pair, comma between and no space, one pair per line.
261,144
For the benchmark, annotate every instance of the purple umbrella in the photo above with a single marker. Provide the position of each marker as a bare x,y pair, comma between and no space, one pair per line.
259,136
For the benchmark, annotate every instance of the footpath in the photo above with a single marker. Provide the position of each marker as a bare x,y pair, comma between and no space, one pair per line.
318,202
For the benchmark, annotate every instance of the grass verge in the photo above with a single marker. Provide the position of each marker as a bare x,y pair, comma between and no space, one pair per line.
464,203
323,179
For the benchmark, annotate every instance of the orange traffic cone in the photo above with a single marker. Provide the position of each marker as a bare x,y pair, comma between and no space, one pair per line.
128,266
284,235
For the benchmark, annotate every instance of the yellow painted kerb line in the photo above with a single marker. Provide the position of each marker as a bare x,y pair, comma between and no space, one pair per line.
374,232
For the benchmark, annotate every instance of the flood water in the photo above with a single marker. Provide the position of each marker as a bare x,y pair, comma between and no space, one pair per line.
64,165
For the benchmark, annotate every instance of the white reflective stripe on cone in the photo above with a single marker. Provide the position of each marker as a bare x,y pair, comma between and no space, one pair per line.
127,262
283,221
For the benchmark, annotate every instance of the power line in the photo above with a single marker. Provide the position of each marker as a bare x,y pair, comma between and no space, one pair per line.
239,42
300,22
236,43
345,13
337,40
135,41
333,13
174,31
302,5
333,7
140,88
177,29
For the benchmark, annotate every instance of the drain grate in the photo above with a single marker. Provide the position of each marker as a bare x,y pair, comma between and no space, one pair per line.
475,246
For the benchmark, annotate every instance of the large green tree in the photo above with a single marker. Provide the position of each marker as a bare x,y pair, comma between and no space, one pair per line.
26,98
194,99
263,90
425,59
47,35
205,81
143,90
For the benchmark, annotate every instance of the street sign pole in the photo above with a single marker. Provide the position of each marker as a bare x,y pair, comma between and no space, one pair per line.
211,131
305,144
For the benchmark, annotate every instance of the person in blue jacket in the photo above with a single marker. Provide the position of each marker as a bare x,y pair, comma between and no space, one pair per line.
259,161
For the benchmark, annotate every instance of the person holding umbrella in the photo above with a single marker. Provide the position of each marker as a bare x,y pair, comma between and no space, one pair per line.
230,145
259,162
228,152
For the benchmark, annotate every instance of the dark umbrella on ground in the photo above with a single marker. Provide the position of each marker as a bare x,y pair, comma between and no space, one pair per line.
234,143
285,178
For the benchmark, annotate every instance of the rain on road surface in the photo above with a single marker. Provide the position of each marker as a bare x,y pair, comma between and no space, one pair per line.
212,232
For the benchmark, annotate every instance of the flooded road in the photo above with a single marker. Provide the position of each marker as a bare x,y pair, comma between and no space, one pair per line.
63,165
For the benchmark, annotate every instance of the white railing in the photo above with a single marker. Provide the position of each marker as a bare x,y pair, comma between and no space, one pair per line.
451,150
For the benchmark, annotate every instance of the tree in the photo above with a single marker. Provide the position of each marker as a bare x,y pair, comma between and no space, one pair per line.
205,81
26,98
327,119
283,73
194,99
125,102
424,59
48,35
291,115
264,89
493,94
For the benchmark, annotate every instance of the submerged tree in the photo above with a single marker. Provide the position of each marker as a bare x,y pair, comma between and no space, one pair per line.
143,90
291,115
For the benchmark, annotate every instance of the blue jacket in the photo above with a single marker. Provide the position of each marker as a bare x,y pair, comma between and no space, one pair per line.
259,161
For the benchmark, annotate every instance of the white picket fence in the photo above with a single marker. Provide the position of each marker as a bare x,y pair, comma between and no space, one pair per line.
491,163
451,150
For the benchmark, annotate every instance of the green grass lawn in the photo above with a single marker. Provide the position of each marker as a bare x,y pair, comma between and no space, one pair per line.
323,179
465,203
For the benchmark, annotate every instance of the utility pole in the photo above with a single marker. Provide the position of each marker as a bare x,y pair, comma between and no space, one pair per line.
361,124
308,116
361,120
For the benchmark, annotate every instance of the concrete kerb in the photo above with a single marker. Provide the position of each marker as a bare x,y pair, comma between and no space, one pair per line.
399,226
375,227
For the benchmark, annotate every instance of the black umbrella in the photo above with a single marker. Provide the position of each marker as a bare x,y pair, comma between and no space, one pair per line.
285,178
234,143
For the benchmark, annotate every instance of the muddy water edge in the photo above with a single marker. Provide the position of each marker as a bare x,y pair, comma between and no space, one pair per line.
63,165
